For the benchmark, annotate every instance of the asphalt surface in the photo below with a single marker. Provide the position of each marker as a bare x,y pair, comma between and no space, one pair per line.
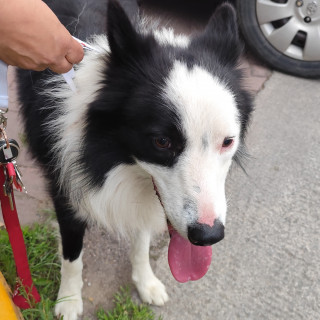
267,267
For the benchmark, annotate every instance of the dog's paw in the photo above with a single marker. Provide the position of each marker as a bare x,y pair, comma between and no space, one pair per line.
69,307
152,291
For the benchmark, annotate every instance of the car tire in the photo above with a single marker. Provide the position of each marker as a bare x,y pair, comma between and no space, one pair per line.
260,45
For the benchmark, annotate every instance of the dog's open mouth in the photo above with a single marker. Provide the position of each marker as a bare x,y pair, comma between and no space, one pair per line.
187,262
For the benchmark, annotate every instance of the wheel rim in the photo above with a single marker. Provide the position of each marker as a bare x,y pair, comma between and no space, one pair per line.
291,26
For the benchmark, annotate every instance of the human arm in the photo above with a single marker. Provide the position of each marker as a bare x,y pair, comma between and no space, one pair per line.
32,37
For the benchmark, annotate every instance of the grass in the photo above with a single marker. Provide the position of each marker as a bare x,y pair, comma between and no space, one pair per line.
44,264
126,309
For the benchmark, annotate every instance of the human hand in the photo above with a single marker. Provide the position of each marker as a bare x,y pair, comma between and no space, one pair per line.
32,37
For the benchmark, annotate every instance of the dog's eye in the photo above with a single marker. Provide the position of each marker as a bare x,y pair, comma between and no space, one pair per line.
162,142
227,142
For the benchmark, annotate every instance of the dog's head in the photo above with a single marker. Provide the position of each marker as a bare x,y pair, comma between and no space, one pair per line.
178,111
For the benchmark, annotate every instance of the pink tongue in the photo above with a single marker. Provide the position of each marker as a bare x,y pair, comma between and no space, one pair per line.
187,262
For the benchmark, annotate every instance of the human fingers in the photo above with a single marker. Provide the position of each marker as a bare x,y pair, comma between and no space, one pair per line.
62,66
75,52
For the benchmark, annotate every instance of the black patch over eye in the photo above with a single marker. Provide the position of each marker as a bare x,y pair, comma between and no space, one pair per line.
162,142
227,142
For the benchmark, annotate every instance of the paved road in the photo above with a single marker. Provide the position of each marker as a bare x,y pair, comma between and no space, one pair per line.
268,266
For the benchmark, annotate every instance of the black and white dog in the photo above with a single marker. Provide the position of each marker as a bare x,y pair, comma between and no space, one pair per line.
146,142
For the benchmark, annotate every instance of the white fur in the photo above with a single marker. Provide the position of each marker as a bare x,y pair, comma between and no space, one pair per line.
150,288
166,36
69,302
126,203
208,111
163,35
67,122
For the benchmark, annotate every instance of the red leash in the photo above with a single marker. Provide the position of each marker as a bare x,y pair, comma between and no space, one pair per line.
9,176
11,221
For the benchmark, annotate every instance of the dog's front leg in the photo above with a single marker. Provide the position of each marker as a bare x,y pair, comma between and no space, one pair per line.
150,288
69,303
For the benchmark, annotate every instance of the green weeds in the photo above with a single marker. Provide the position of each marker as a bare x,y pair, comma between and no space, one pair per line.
126,309
44,264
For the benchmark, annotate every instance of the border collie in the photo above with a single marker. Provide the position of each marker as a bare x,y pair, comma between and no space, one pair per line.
144,144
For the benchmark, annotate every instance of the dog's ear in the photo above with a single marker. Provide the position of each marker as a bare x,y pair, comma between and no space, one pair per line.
221,35
122,37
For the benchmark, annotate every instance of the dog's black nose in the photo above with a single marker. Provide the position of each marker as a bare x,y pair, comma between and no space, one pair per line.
204,235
